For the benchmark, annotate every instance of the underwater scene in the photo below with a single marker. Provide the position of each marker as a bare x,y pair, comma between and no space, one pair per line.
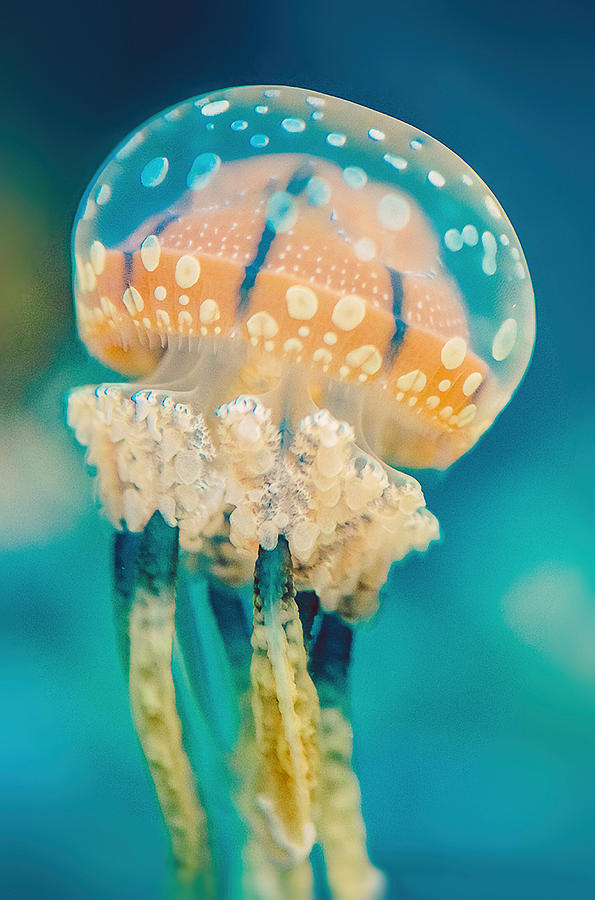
296,494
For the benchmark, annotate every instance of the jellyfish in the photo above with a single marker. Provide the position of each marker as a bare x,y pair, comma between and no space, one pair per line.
310,300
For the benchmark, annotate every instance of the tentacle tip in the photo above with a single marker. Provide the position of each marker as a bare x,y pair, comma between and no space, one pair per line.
297,849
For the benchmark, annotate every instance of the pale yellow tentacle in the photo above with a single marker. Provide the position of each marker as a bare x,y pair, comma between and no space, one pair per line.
153,702
342,833
286,710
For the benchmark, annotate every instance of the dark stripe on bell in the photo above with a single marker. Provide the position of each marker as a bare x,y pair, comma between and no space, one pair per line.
129,257
400,327
264,245
163,224
296,185
128,262
396,283
300,179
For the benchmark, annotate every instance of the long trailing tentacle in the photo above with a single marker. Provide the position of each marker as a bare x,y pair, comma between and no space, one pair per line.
206,659
285,706
145,609
341,829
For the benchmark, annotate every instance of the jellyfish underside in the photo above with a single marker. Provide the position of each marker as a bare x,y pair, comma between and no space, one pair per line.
293,324
288,499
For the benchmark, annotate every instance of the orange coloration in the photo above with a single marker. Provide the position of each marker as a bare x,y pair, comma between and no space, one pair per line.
324,296
435,400
411,247
434,395
434,304
222,236
314,259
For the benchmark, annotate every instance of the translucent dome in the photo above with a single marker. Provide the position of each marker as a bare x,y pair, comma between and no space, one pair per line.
324,237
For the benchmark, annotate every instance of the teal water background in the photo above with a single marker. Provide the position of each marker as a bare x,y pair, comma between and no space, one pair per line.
474,688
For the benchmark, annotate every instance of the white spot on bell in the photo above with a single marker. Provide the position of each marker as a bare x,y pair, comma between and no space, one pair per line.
262,324
453,240
453,353
103,195
97,253
412,381
282,212
394,212
466,415
132,300
470,235
397,162
505,339
209,311
471,383
302,302
367,358
150,252
203,170
187,271
293,126
436,178
154,172
349,312
492,207
490,247
215,108
317,191
355,177
365,249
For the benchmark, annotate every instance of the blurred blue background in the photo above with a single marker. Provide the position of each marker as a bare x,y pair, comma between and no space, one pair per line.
474,688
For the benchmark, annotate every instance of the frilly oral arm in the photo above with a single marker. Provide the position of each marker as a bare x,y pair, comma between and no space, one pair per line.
285,706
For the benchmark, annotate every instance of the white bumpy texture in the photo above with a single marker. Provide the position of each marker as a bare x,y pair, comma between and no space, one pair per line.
346,517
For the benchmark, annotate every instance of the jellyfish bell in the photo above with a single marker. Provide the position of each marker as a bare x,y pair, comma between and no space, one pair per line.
312,296
349,244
